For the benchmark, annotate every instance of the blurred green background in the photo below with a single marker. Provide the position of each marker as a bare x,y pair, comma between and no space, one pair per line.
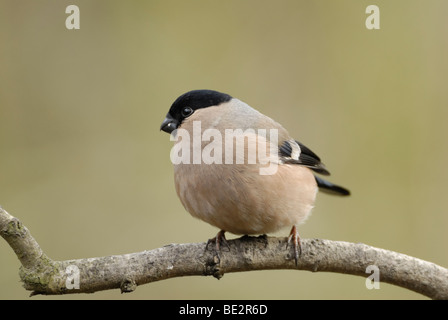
84,166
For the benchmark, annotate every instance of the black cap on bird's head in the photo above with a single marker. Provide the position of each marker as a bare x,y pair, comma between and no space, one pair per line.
188,103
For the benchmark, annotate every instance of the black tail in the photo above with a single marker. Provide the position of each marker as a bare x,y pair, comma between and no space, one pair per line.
331,188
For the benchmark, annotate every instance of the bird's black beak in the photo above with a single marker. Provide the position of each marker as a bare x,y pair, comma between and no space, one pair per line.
169,124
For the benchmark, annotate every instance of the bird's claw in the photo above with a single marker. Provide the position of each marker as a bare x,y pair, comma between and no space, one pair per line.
294,239
219,240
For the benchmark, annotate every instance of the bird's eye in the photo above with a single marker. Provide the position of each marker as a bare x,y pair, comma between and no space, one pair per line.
187,111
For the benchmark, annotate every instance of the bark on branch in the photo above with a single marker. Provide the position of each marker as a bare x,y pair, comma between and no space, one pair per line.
42,275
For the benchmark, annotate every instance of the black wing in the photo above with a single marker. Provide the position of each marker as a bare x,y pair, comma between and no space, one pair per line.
306,157
309,159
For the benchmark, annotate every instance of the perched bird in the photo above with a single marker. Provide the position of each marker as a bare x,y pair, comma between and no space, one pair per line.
222,147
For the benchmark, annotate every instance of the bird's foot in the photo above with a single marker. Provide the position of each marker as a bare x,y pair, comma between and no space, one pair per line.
219,240
294,239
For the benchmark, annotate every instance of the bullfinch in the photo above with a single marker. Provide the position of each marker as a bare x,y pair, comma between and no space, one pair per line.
239,170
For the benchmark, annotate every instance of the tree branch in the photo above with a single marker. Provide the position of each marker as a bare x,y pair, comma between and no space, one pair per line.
41,275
